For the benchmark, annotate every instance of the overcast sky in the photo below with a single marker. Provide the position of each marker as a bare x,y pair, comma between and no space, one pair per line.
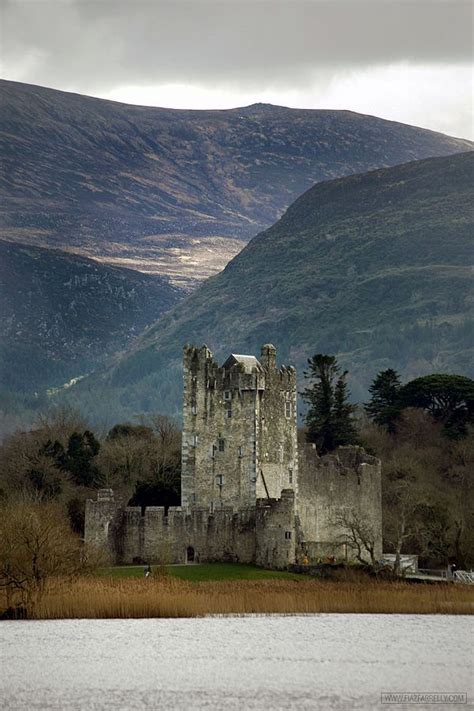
407,60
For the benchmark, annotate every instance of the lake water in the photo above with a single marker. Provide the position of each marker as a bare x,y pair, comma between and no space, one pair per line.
253,662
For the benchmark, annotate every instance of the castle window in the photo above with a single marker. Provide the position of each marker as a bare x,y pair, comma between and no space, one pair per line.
287,409
220,480
214,450
240,452
290,476
194,408
195,440
221,443
227,395
288,535
229,410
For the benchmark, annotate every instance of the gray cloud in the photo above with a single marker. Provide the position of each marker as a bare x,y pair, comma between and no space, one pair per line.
95,46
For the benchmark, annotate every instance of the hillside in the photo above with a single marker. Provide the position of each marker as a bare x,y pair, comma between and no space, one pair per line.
174,192
61,314
372,267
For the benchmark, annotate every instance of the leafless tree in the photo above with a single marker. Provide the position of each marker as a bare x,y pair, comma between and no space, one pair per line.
37,545
358,535
401,499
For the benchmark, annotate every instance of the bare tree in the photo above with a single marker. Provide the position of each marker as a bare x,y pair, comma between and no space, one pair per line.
58,424
122,462
357,535
36,546
168,437
401,499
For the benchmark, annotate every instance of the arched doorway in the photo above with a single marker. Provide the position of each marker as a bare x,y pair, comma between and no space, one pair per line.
190,555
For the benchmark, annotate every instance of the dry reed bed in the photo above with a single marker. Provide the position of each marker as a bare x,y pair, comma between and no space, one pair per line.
170,597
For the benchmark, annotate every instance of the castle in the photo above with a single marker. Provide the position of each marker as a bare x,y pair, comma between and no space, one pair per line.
248,492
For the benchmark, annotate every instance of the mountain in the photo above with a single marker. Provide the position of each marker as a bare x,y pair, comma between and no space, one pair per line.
373,268
171,191
62,315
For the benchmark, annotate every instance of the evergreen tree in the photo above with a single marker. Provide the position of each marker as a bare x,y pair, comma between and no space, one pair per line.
344,427
448,398
384,407
81,451
330,416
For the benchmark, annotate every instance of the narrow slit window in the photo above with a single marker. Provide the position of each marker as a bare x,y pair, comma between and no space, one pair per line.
221,443
288,535
227,395
287,409
290,476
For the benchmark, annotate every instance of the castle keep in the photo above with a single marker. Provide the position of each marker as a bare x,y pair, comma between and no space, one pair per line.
239,430
247,494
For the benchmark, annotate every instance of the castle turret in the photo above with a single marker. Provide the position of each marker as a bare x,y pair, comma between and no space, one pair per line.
99,519
268,356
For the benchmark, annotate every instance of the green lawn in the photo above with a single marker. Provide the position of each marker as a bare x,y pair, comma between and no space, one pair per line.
206,571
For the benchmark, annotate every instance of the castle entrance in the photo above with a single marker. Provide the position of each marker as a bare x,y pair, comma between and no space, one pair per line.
190,554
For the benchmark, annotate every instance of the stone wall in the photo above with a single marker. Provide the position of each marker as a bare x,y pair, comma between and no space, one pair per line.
277,441
176,537
102,519
335,485
276,531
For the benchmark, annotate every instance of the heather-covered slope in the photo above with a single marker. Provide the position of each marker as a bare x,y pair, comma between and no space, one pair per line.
374,268
175,192
61,314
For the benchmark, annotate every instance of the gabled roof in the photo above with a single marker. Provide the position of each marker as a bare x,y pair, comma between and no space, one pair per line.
248,361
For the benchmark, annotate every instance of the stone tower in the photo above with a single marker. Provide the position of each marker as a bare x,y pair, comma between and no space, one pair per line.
239,430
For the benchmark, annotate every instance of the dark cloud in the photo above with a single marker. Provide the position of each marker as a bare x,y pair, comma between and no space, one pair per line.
95,46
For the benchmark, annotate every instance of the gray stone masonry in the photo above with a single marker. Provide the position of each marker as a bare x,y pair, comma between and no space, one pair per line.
244,497
275,531
99,519
345,482
239,429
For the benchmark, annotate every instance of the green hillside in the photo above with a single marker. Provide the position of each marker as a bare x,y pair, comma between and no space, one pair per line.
61,315
372,267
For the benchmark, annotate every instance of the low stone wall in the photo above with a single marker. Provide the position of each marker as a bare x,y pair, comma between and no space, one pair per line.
265,535
175,537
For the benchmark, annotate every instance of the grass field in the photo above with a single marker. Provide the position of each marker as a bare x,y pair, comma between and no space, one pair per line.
200,573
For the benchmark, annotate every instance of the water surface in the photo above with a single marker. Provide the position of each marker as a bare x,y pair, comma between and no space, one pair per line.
268,662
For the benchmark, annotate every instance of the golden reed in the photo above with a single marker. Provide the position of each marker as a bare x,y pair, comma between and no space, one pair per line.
165,596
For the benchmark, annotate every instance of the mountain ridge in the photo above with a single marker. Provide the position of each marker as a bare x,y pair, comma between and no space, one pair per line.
175,191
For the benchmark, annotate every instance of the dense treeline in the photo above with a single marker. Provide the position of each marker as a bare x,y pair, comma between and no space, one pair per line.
62,460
